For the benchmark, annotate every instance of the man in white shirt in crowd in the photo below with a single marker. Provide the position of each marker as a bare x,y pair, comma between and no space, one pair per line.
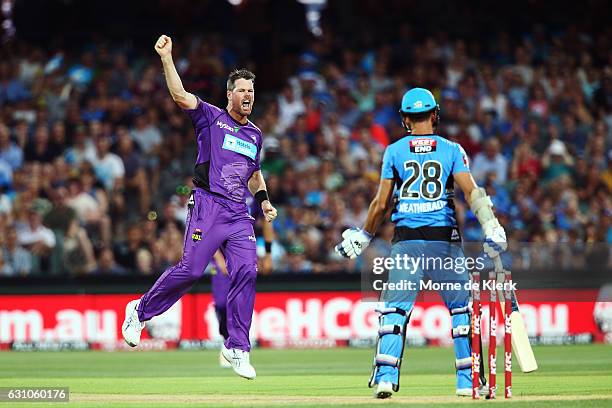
16,260
149,139
490,161
33,235
107,166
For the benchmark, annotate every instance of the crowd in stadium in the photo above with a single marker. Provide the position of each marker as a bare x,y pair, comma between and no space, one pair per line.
96,160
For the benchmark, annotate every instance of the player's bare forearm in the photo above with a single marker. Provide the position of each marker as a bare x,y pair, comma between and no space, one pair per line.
466,183
257,187
375,218
257,182
184,99
268,235
379,206
268,232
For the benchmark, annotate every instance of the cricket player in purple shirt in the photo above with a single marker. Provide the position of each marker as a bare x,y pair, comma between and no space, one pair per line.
227,167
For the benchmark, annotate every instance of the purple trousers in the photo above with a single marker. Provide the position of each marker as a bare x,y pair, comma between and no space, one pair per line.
220,289
213,223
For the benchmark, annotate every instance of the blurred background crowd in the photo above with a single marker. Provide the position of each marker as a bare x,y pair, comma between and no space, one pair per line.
96,160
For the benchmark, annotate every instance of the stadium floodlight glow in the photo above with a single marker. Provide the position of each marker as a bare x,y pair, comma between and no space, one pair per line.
313,15
7,25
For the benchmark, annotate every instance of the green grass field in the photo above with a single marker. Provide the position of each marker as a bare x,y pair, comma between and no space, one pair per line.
568,376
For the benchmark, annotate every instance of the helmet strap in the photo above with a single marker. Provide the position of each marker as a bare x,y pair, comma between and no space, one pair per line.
406,127
436,120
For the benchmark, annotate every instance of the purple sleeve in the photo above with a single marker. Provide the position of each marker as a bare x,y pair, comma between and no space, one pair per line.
201,115
257,157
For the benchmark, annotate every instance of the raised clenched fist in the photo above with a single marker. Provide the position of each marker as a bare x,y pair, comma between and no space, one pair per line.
163,46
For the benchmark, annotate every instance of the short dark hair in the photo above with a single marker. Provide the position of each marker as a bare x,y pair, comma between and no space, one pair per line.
238,74
420,117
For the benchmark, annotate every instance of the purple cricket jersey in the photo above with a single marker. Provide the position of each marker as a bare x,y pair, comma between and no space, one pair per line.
228,152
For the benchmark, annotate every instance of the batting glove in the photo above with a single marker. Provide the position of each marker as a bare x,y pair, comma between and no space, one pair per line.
355,241
495,241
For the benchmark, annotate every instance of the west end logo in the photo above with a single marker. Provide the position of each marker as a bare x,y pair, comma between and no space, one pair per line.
227,127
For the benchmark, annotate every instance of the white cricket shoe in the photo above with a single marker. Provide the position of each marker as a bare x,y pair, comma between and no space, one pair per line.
463,392
223,363
467,392
384,389
239,360
132,327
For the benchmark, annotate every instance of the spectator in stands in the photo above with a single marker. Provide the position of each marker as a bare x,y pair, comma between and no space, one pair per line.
525,163
136,182
12,89
16,261
534,114
556,161
82,150
169,246
89,210
9,151
126,252
289,108
39,150
35,237
147,136
490,160
296,261
492,100
108,166
144,262
107,264
77,254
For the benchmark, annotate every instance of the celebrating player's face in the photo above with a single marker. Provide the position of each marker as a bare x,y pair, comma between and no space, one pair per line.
242,97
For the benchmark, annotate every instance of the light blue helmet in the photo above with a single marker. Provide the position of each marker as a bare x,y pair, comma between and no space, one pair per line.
418,100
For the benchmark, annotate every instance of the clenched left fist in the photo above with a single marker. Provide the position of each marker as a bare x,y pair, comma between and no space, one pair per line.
269,211
355,241
163,45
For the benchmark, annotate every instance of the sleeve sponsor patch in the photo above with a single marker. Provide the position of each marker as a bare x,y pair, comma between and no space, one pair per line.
423,145
466,161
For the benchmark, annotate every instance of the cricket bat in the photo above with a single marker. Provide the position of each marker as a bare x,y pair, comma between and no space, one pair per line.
520,341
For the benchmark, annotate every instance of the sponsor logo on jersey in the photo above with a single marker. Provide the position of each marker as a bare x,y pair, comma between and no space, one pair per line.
425,145
227,127
466,161
231,142
197,235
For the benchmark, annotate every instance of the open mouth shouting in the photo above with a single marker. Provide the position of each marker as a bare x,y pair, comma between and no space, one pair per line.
246,105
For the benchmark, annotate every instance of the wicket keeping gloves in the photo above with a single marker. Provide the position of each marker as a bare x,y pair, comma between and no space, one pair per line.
495,236
355,241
